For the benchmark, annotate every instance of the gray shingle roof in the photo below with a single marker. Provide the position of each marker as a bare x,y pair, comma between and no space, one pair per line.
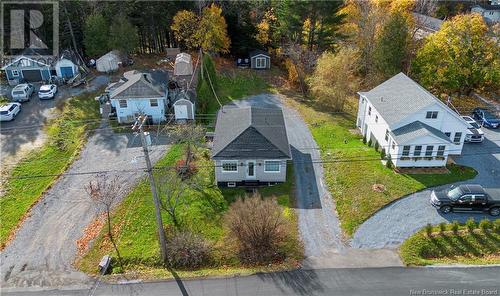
242,133
136,85
399,97
417,129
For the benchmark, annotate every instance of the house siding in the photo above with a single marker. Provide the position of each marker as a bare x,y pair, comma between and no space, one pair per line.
241,175
189,105
253,62
139,106
420,161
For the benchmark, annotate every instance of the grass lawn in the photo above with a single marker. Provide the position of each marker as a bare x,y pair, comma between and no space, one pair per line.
350,182
135,226
446,247
66,136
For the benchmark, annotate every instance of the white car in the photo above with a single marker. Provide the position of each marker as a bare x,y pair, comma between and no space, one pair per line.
47,91
475,135
22,92
9,111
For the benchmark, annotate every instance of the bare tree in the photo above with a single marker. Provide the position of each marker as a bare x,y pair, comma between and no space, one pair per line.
104,193
172,189
191,135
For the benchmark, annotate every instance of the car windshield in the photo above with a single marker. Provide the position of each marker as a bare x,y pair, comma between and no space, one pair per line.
455,193
4,112
44,90
19,93
474,124
488,115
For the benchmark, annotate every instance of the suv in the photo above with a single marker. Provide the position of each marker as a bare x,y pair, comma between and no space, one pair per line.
486,118
469,198
22,92
9,111
475,135
47,91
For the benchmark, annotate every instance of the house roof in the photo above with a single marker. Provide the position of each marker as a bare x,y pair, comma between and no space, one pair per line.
183,95
135,84
417,129
258,52
251,132
24,58
428,22
400,97
488,6
112,55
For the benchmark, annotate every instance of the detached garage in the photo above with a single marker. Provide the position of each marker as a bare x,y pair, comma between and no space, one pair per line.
24,69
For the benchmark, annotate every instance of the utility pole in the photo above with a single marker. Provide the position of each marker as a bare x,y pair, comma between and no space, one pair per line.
138,127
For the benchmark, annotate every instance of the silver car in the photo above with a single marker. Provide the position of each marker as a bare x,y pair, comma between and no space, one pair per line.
22,92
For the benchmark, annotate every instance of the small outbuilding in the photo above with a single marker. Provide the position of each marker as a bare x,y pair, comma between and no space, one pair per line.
260,59
184,105
67,65
183,64
109,62
25,69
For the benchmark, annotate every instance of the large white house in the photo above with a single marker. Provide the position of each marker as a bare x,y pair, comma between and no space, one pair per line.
139,93
414,127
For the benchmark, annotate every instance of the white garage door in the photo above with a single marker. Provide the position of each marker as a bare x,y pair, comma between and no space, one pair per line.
181,112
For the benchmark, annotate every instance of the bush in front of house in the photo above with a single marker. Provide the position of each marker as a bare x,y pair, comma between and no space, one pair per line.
259,227
485,225
389,163
186,249
382,154
377,145
370,143
364,139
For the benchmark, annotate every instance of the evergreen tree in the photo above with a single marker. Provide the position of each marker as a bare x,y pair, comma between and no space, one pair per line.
95,35
123,35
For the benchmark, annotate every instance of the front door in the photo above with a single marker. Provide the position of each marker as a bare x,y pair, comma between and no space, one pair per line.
251,169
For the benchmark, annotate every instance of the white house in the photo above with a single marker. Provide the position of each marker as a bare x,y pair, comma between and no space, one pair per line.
138,93
414,127
490,13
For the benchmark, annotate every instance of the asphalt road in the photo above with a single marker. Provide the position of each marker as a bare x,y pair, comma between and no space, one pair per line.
390,226
26,131
44,248
369,281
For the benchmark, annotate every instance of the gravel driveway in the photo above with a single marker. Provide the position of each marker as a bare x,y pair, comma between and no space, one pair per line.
390,226
44,248
318,222
26,131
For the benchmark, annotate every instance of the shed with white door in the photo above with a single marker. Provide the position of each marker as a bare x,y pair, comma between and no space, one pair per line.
260,59
184,106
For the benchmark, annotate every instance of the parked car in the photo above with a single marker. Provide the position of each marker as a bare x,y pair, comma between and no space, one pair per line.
486,118
47,91
9,111
475,135
469,198
22,92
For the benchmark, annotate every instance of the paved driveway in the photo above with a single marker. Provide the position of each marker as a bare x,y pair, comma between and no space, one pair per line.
44,248
26,131
390,226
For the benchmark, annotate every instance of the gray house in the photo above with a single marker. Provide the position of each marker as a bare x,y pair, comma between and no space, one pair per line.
250,147
260,59
25,69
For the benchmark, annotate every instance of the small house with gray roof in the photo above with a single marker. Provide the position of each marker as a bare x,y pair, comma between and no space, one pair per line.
413,126
250,147
139,93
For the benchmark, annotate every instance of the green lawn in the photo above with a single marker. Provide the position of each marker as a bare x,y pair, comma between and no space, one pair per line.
446,247
136,228
66,136
351,181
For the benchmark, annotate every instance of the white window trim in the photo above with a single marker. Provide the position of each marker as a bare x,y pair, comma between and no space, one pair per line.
15,73
226,162
279,167
119,104
263,62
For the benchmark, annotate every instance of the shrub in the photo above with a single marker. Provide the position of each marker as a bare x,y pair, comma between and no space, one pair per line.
370,142
442,227
382,154
187,250
389,163
485,225
496,225
364,139
259,227
455,226
470,224
428,230
376,145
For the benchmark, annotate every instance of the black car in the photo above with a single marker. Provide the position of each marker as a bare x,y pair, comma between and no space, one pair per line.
469,198
486,118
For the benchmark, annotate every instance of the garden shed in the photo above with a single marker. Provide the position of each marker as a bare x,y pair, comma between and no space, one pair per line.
260,59
183,64
109,62
67,65
184,105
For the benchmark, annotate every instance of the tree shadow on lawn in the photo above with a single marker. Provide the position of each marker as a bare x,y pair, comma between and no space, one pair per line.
300,281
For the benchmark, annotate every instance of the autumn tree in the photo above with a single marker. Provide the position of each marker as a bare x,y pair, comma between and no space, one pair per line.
211,34
104,194
460,57
95,35
123,35
392,46
334,80
172,192
184,27
191,135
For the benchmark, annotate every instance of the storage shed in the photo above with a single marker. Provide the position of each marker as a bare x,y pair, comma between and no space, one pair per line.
260,59
184,106
183,64
109,62
65,68
25,69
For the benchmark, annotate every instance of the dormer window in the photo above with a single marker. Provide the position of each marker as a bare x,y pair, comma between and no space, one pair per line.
431,114
369,111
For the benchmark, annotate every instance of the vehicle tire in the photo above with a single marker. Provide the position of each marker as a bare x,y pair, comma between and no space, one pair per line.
495,211
445,209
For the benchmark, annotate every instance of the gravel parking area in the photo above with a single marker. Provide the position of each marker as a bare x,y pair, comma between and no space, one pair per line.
44,248
390,226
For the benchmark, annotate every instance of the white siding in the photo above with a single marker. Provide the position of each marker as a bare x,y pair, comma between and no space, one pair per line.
397,153
137,106
241,174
